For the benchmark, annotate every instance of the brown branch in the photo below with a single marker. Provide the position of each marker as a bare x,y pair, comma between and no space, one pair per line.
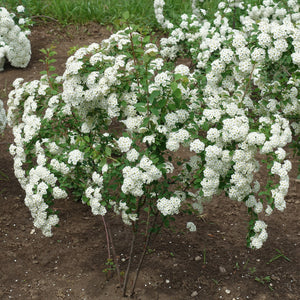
116,260
130,260
138,269
247,87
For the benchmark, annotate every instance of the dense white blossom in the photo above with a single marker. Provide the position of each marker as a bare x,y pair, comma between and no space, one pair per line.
209,120
169,206
14,44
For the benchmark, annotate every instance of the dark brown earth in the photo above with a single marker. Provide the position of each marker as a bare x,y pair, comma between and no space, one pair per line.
212,263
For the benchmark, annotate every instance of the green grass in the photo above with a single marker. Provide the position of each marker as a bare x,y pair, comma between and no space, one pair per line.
105,12
109,12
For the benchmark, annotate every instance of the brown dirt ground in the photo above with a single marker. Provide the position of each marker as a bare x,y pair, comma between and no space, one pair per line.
214,261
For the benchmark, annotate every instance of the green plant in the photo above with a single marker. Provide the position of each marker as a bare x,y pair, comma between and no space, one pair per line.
236,266
110,268
111,130
279,255
264,280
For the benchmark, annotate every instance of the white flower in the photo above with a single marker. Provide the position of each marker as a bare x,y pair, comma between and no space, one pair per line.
172,144
191,226
259,226
258,207
21,21
58,193
268,210
182,69
75,156
20,9
124,143
97,178
256,243
14,45
197,146
169,206
251,201
150,139
132,155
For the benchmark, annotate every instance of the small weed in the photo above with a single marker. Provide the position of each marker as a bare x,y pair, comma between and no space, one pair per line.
252,270
264,280
110,267
246,264
216,281
3,176
237,266
280,254
204,257
72,50
150,251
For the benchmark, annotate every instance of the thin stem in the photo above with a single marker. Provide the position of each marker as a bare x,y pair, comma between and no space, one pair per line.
138,269
107,237
134,58
248,84
129,262
116,260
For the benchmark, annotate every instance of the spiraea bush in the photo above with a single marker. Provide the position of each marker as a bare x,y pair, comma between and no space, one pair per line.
116,129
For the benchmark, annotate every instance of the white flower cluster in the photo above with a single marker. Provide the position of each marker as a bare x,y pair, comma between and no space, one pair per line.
260,236
14,44
135,177
2,117
94,195
158,9
121,208
232,105
226,57
169,206
280,192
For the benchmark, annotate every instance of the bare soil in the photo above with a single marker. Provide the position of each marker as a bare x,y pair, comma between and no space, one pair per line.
212,263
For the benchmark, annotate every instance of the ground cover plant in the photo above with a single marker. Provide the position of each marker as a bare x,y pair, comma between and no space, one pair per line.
162,108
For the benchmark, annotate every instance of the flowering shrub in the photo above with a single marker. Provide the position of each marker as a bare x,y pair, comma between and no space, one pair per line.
126,130
249,85
14,44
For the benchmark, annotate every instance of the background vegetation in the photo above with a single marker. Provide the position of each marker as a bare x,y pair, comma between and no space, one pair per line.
108,12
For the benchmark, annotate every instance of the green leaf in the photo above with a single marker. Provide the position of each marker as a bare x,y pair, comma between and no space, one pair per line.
141,109
177,93
145,122
174,86
162,103
155,111
177,76
153,96
102,163
52,68
107,151
146,39
125,15
172,106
